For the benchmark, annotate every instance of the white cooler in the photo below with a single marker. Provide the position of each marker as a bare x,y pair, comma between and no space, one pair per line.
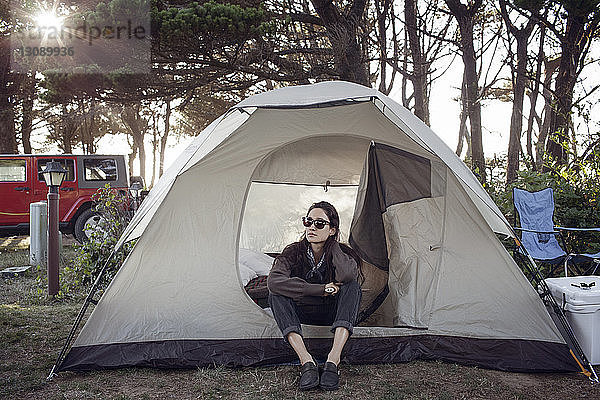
579,297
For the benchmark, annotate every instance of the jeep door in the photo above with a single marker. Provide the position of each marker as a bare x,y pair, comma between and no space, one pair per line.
15,190
68,190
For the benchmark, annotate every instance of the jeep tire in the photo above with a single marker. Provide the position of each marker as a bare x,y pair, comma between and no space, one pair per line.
88,216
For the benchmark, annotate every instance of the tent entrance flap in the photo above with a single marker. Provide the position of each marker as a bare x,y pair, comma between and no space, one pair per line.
397,227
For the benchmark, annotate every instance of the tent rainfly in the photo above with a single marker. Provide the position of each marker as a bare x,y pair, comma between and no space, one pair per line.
418,215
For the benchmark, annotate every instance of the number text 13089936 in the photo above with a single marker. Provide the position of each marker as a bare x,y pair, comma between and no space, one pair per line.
45,51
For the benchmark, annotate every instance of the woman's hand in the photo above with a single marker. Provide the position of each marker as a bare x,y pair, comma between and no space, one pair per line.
331,289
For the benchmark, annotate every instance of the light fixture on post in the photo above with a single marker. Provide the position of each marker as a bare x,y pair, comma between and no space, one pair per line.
54,175
134,190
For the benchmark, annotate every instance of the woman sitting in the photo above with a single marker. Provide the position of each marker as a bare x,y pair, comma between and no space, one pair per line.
314,281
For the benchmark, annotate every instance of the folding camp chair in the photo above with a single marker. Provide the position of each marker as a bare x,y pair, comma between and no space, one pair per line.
538,234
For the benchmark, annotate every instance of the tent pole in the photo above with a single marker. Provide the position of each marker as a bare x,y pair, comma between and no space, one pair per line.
89,299
547,297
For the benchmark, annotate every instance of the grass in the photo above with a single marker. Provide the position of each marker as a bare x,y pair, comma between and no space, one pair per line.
33,330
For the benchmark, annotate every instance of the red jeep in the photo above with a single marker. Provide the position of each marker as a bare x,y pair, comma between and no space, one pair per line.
21,183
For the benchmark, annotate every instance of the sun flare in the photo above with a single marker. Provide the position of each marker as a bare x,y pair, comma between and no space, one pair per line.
47,19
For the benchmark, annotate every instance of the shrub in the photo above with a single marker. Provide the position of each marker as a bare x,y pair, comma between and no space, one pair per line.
92,255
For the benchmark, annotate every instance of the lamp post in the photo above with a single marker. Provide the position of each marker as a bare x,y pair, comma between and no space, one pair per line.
135,190
54,174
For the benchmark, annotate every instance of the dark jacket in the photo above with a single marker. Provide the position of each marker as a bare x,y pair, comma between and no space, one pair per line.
287,277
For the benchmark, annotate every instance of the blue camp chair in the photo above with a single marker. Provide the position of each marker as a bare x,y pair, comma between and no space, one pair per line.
538,234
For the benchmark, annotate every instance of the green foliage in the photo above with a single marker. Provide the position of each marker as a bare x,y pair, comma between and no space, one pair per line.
37,293
579,8
92,255
211,22
573,7
83,82
530,5
92,80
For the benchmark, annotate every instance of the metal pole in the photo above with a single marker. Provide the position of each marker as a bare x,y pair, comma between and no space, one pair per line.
53,257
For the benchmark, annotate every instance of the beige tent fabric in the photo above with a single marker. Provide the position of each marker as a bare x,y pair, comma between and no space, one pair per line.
181,280
408,123
315,160
418,131
481,291
412,230
211,136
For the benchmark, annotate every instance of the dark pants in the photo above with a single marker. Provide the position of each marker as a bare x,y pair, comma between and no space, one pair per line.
340,310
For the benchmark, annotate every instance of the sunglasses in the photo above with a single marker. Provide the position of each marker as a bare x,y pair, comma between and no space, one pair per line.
319,223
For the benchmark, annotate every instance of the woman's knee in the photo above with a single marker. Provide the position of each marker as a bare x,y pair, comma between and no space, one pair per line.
351,287
277,299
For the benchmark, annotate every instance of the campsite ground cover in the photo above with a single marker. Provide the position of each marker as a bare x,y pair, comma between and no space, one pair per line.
33,329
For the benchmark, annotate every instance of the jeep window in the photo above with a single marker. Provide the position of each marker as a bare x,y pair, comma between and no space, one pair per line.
13,171
67,164
100,169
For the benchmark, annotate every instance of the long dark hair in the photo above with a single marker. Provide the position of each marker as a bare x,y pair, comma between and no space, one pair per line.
334,222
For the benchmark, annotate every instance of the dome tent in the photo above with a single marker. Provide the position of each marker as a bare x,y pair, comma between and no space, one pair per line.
453,292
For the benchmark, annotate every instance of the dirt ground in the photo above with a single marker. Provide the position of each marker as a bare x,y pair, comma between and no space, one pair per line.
22,242
33,330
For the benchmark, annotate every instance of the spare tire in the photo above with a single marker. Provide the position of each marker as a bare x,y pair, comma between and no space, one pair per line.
85,225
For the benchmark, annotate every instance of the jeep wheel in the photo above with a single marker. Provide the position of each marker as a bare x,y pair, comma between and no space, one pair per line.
86,223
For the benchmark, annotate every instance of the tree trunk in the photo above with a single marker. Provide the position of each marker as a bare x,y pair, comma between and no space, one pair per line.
68,128
342,31
465,17
573,46
137,127
549,69
27,123
84,127
142,155
382,9
165,136
89,127
516,119
463,131
8,140
473,104
420,68
131,157
519,82
533,97
154,146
